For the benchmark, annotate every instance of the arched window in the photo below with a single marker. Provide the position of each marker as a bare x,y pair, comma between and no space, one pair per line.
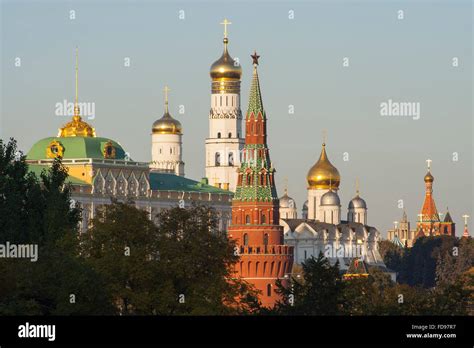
247,219
230,135
305,255
269,289
265,239
219,135
258,128
246,239
218,159
231,158
171,151
264,221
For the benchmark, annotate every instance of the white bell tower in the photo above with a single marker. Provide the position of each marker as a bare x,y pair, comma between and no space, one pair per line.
225,141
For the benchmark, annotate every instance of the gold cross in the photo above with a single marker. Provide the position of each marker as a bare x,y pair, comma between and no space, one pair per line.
225,23
465,219
166,90
428,161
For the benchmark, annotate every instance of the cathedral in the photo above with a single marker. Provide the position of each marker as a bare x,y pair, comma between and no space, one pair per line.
322,229
430,222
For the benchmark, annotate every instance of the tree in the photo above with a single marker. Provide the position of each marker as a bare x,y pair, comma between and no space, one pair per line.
38,211
181,266
320,292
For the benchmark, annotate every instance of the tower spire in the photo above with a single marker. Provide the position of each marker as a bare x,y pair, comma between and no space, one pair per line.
76,100
166,90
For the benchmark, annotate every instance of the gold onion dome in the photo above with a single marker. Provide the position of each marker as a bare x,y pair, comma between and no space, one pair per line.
429,177
166,124
323,175
226,68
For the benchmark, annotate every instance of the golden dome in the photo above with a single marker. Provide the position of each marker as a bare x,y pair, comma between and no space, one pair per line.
226,68
429,177
323,175
167,125
77,127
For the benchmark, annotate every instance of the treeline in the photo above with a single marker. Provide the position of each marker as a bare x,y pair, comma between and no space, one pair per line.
127,265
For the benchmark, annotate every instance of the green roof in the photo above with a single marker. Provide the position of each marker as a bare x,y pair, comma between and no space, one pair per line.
38,168
76,147
172,182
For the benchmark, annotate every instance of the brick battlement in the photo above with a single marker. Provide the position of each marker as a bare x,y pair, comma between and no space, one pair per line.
266,249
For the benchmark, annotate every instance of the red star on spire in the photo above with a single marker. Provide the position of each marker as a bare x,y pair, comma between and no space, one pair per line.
255,57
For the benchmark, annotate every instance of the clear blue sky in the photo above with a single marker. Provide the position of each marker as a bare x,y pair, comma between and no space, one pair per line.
301,64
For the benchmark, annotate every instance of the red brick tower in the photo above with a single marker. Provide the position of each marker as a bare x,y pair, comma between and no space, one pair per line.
255,218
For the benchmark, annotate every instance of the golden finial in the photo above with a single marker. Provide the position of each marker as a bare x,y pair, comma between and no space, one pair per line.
324,137
166,90
225,23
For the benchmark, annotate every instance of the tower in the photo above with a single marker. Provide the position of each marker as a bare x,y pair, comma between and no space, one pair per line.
447,226
357,209
255,216
166,143
224,144
429,222
321,177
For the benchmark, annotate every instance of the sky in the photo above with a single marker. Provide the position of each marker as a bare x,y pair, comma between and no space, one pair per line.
422,55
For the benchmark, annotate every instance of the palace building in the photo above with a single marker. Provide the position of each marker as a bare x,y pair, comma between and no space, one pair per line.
100,169
255,207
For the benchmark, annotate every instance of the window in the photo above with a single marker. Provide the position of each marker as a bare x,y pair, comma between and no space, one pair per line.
231,158
219,135
264,220
218,159
269,289
305,255
230,135
171,151
265,239
246,239
247,219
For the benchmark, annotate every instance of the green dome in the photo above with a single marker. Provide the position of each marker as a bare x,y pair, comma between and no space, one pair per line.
78,147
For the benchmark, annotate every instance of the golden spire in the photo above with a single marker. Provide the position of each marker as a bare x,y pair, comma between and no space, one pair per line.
77,127
76,103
